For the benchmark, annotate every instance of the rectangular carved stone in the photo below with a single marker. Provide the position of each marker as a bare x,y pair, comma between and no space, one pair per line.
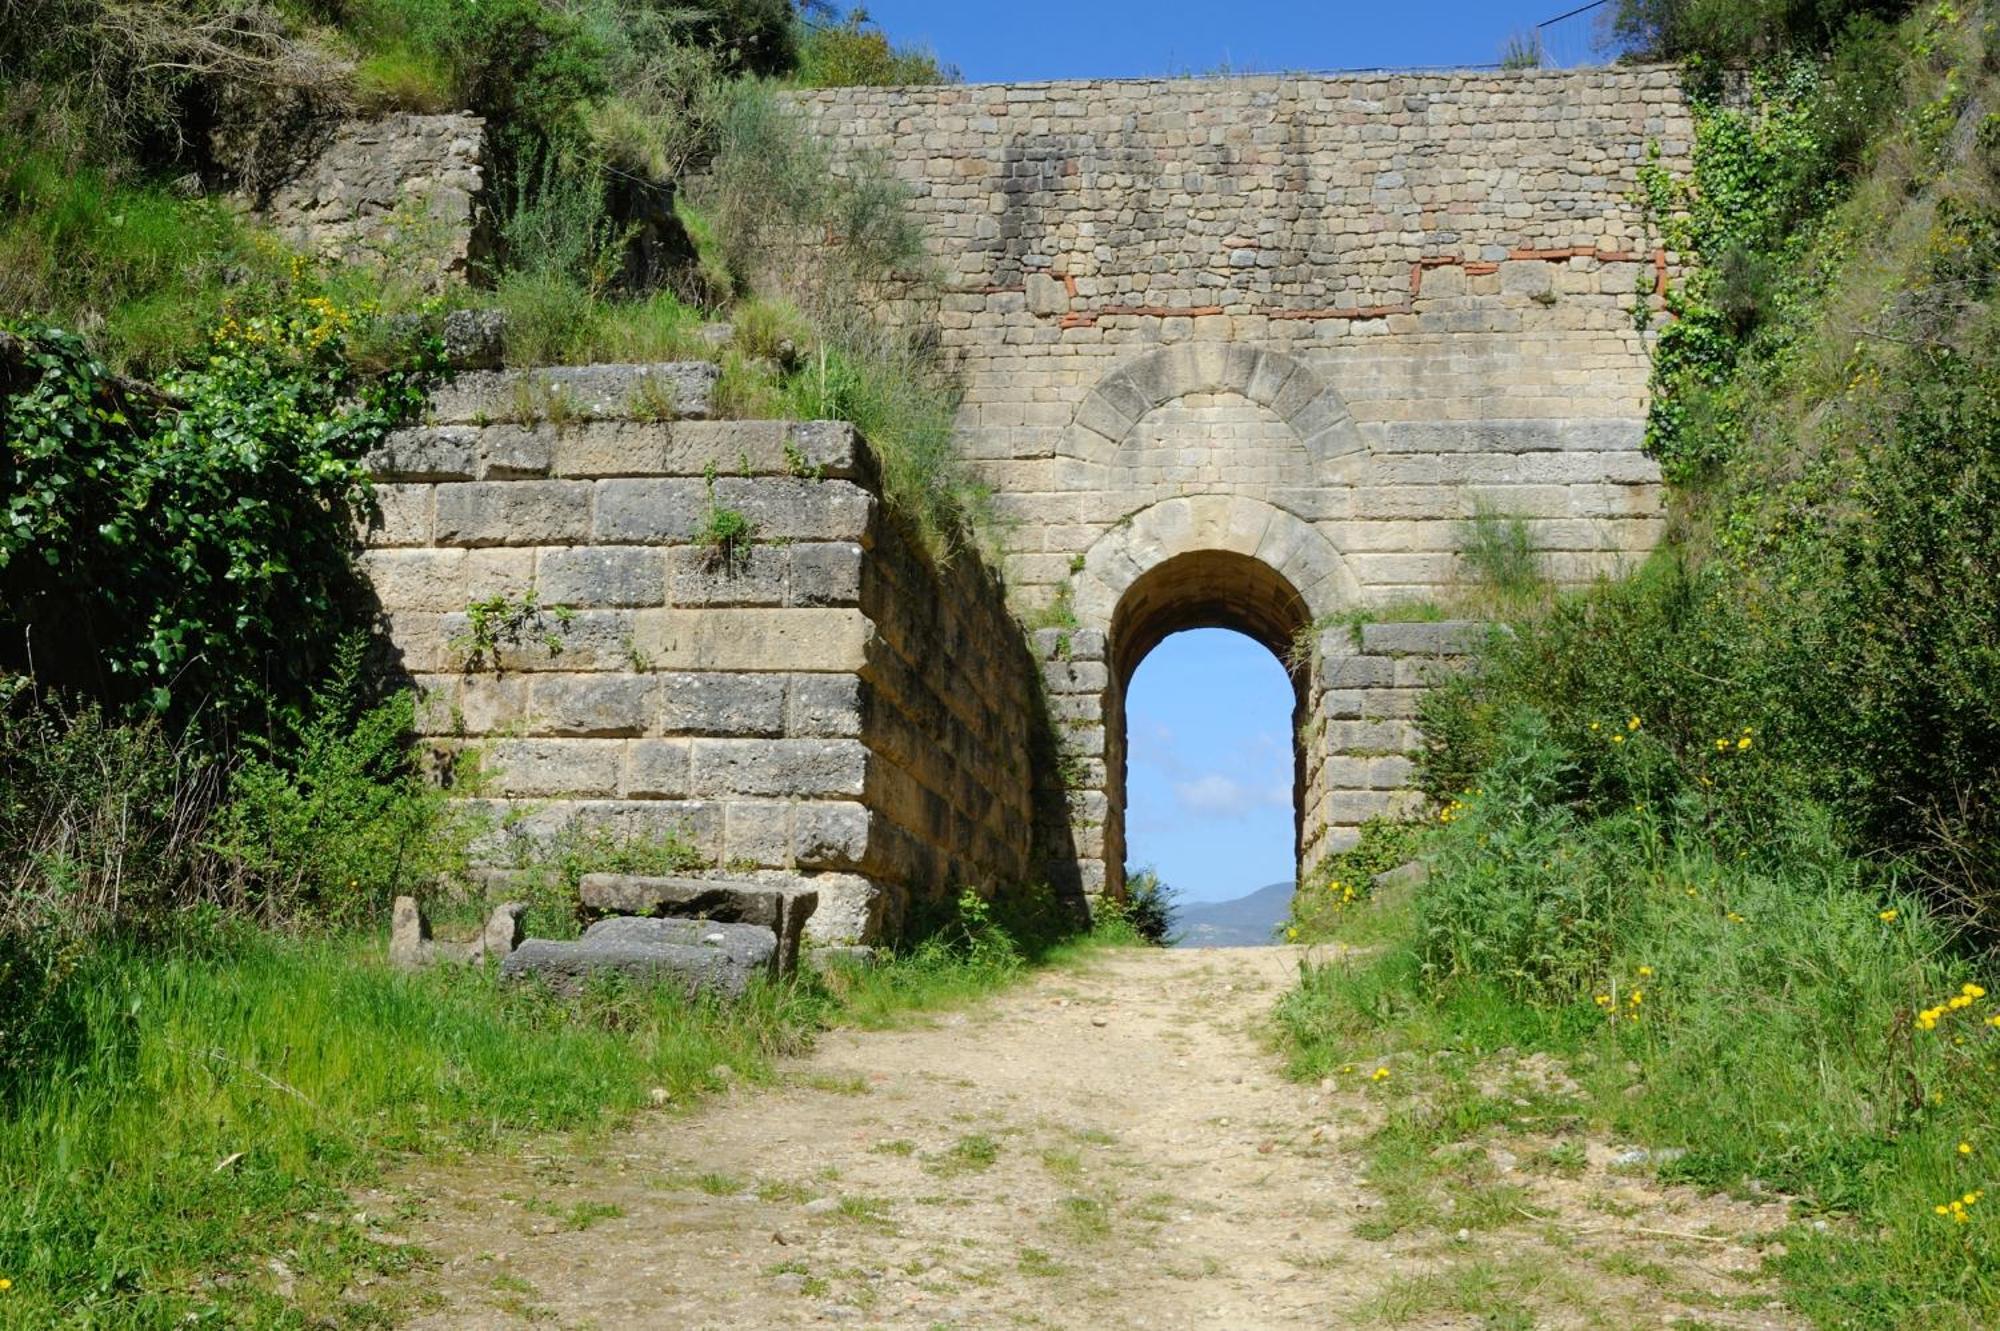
722,703
783,909
649,512
605,705
594,576
799,768
513,513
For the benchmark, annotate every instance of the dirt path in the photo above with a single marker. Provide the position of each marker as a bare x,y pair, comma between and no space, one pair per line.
1105,1147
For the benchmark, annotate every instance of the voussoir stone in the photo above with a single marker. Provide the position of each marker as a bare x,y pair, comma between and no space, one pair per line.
697,956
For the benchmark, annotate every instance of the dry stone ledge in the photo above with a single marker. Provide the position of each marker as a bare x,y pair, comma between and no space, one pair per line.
782,909
683,390
701,956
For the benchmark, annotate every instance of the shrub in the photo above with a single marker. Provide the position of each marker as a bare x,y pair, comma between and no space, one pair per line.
855,53
191,553
335,820
1147,911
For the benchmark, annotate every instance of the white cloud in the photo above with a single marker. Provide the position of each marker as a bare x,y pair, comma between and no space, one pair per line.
1219,796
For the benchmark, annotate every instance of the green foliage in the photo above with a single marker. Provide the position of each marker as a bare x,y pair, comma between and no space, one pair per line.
501,621
144,273
1327,900
1819,631
855,53
1523,50
216,1100
335,821
193,558
1732,33
1146,911
726,534
1790,1015
1499,551
552,868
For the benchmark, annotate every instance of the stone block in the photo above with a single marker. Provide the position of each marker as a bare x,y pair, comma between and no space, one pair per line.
658,769
600,705
695,956
699,575
830,835
569,768
481,513
425,453
825,574
402,518
416,579
790,508
723,703
601,576
753,639
783,910
796,768
561,394
649,512
514,452
825,705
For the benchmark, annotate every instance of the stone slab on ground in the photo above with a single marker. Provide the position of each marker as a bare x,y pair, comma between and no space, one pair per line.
681,390
780,908
703,956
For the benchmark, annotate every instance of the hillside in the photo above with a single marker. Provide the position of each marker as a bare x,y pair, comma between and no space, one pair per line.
1251,920
1719,838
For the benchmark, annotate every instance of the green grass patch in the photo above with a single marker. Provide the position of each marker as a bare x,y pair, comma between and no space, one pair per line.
209,1105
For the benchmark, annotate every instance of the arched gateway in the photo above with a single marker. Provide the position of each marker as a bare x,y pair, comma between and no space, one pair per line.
1240,352
1248,353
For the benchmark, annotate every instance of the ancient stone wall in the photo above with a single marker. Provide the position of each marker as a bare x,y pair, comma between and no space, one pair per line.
403,193
1311,323
828,704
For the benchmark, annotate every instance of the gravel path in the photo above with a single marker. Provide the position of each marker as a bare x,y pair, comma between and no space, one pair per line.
1107,1146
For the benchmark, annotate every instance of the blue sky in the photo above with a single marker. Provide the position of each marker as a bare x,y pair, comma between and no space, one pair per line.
1209,765
1000,40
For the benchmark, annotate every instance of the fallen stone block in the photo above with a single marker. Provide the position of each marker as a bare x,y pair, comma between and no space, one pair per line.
781,908
503,933
700,956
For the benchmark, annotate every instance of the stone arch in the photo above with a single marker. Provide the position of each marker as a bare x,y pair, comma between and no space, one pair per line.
1229,524
1205,561
1281,383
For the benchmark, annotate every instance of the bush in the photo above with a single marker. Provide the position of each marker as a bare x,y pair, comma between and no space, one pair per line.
856,53
1147,911
334,821
193,553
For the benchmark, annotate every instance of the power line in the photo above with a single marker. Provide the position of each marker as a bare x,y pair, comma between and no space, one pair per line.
1581,9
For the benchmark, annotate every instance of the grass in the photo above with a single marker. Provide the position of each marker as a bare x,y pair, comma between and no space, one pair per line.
1779,1042
214,1103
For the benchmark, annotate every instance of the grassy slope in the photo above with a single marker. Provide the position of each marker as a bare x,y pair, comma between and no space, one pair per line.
1788,1011
215,1105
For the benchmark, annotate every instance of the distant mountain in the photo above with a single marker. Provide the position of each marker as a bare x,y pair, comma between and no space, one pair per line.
1249,921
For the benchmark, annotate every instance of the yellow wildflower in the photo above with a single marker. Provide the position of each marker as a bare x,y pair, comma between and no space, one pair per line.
1617,739
1965,1148
1971,990
1380,1074
1632,723
1645,970
1887,916
1743,743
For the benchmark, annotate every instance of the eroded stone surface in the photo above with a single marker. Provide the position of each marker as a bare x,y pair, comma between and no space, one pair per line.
702,956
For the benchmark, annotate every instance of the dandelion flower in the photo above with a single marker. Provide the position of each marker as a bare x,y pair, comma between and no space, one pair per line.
1617,739
1632,723
1743,743
1965,1148
1887,916
1972,991
1645,970
1380,1074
